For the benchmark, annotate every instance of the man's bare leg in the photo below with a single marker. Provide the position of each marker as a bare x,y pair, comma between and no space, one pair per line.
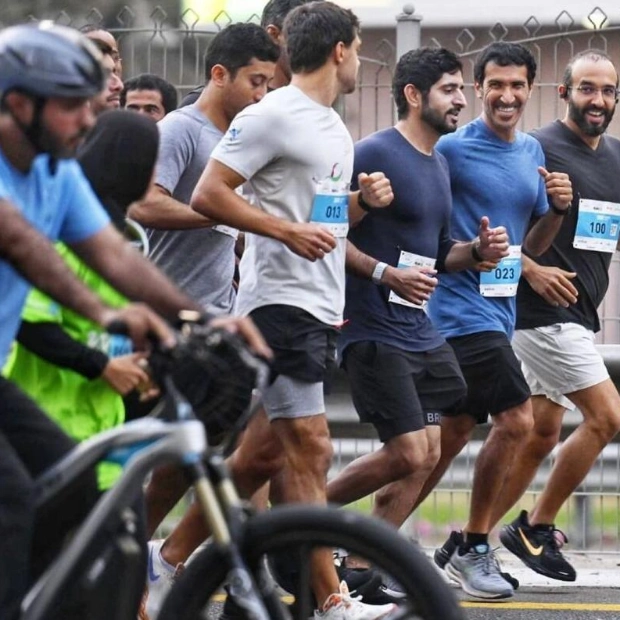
165,488
455,433
533,539
539,444
496,457
397,472
258,456
600,406
308,453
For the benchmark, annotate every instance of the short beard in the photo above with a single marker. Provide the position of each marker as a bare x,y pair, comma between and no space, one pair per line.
437,121
48,143
578,116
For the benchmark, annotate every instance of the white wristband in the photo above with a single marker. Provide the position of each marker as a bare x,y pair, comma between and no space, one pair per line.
377,274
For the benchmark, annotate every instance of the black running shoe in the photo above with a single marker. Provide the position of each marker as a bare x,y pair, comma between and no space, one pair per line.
232,610
444,553
456,538
361,582
537,547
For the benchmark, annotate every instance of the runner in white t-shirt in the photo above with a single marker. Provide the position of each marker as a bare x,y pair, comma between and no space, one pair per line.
297,155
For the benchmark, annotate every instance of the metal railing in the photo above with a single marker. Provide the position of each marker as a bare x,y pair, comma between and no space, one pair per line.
590,518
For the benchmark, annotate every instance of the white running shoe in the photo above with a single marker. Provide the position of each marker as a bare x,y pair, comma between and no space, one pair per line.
159,579
342,606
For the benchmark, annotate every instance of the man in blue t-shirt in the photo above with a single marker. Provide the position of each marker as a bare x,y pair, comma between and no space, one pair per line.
499,172
47,76
403,375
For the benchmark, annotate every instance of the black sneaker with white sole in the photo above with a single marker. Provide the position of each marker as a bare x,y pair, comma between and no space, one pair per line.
443,554
361,582
538,547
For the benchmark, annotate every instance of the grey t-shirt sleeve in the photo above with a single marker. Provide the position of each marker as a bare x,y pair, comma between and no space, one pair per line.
251,142
176,149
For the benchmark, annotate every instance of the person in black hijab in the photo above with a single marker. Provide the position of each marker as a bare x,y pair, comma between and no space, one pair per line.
118,159
131,147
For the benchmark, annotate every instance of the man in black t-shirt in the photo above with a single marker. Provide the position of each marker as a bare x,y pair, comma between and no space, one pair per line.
557,303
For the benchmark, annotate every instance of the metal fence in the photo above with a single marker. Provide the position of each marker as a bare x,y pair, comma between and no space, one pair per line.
173,47
152,43
591,518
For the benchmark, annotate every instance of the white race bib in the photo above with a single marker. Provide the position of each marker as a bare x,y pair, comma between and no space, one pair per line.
113,345
598,224
407,259
330,207
245,191
504,279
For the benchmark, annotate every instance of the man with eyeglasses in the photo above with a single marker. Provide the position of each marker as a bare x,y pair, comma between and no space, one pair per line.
557,303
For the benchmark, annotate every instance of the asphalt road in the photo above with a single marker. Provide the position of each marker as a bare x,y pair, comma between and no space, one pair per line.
574,603
594,596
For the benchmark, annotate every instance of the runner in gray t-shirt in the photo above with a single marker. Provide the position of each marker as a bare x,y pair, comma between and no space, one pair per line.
198,256
194,253
200,261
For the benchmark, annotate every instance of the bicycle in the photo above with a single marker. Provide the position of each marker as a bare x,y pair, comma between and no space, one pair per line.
103,567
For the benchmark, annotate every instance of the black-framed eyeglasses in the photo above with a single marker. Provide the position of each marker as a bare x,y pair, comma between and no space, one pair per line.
608,92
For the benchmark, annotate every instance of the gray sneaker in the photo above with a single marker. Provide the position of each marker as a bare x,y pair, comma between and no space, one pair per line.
478,574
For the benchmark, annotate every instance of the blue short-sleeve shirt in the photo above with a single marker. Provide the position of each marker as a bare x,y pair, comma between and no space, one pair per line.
59,202
494,178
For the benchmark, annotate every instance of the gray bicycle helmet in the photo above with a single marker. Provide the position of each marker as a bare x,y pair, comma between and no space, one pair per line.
47,60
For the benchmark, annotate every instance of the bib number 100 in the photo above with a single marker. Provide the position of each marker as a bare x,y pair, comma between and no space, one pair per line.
598,228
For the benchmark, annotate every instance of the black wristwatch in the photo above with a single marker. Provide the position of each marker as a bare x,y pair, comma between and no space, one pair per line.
363,205
475,254
560,212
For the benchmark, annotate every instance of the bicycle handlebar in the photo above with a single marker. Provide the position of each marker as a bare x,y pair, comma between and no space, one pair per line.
213,369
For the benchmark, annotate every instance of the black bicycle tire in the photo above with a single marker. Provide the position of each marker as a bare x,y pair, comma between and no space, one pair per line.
379,543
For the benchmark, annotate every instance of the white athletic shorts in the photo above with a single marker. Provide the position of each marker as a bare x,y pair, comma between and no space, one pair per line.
559,359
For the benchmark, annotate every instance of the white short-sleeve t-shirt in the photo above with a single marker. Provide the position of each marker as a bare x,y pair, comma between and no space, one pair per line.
286,146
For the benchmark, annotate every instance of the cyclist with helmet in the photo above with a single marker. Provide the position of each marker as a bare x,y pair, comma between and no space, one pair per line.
68,364
47,76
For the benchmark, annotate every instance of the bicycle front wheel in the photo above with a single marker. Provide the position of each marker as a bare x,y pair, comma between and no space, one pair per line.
293,533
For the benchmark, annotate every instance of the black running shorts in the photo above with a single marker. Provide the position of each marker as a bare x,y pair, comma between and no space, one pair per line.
304,348
495,381
402,391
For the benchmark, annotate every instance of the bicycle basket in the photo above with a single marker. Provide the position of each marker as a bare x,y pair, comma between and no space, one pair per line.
216,373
